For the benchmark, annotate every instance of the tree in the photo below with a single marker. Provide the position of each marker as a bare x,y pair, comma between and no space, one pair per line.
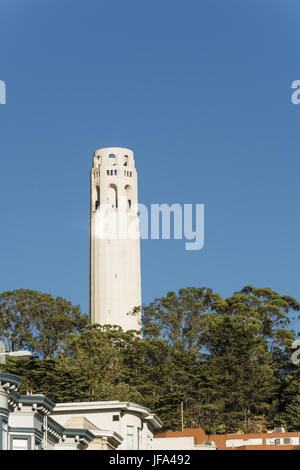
179,319
37,321
227,360
274,313
49,377
98,352
239,379
288,412
242,352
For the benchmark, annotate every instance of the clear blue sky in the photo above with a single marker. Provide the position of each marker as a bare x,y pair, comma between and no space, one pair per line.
200,90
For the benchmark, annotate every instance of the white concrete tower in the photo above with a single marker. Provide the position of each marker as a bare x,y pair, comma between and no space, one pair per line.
115,273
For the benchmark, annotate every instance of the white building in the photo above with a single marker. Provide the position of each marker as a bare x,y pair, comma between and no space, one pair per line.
25,423
115,273
134,423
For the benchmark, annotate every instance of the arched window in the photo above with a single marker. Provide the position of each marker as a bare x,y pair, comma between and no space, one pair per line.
112,158
128,190
97,203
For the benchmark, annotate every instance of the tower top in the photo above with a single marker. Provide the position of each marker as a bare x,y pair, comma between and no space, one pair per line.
113,156
113,149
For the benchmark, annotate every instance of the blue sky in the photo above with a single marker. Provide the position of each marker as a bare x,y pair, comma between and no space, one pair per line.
199,90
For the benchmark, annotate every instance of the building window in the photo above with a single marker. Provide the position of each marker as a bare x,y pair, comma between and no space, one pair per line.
3,435
107,172
38,445
116,418
139,438
115,172
19,444
130,437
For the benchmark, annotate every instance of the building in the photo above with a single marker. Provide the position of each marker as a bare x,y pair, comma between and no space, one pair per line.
25,423
115,274
103,440
276,439
181,443
134,425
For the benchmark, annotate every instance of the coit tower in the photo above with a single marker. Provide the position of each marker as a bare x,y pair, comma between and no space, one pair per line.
115,273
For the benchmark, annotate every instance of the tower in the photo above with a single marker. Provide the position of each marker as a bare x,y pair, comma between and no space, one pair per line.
115,273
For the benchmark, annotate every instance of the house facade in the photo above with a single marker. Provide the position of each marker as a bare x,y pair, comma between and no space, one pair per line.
26,424
134,423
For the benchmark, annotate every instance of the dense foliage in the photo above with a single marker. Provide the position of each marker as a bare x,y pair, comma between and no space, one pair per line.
227,360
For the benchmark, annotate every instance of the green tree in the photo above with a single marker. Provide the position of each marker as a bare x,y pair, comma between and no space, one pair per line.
37,321
239,378
98,352
49,377
288,411
179,319
227,360
273,312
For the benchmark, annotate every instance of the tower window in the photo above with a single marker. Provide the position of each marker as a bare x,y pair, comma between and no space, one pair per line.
97,203
130,173
112,157
111,172
129,203
113,195
107,172
115,172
